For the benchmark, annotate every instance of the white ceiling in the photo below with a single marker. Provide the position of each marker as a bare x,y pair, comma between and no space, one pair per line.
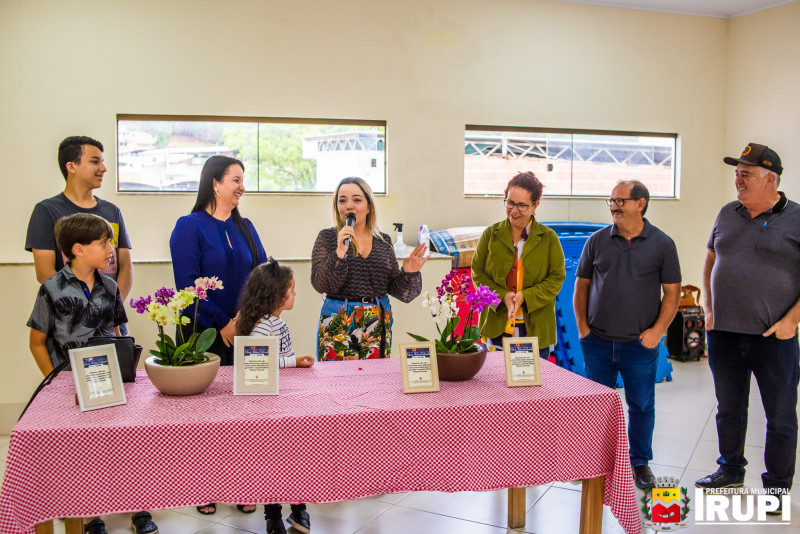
710,8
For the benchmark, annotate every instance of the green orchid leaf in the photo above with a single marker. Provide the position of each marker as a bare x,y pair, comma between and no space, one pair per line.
179,352
442,347
472,332
467,346
418,338
448,330
169,341
205,340
191,340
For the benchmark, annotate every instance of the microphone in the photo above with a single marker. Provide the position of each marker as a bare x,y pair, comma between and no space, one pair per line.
350,221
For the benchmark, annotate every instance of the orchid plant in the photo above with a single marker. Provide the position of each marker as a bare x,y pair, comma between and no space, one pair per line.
164,308
444,305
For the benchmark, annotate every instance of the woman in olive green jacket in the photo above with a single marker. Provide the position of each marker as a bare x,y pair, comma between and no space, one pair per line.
526,309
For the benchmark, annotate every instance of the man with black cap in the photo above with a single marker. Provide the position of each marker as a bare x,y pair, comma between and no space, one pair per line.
752,304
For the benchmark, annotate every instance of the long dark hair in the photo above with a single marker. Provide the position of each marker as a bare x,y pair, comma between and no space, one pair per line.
214,170
263,294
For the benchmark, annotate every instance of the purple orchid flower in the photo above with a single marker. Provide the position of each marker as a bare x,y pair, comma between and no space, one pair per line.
141,303
481,298
163,295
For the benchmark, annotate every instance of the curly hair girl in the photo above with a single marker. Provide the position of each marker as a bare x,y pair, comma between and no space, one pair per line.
266,291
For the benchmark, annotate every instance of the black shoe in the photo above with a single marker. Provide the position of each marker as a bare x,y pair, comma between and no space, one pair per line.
643,477
777,493
718,479
275,525
300,520
779,510
142,523
95,526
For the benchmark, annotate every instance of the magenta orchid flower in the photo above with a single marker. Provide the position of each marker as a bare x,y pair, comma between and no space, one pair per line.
457,287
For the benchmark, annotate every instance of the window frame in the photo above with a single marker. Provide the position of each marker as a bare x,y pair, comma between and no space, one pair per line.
248,119
577,131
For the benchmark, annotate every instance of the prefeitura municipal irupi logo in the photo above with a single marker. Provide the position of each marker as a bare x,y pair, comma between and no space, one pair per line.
666,506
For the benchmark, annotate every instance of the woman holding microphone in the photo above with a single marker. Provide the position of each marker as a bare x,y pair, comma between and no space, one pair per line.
354,265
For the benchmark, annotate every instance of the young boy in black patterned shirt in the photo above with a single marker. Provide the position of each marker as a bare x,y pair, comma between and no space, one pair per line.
77,303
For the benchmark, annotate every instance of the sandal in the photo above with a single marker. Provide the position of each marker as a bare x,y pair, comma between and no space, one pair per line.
241,508
212,506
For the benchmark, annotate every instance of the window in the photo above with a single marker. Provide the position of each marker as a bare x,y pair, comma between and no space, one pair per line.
166,153
572,163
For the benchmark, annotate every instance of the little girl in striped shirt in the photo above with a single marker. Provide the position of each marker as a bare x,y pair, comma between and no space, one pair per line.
270,291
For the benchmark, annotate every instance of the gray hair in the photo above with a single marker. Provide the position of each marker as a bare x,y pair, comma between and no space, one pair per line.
764,172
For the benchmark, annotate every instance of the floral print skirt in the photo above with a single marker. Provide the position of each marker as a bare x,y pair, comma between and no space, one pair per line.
353,330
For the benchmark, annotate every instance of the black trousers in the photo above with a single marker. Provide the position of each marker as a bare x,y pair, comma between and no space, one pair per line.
273,511
775,363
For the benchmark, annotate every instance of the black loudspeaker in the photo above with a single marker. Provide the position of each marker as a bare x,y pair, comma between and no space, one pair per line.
686,336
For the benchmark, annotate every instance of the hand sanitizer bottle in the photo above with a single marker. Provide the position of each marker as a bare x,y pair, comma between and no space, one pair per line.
399,246
424,236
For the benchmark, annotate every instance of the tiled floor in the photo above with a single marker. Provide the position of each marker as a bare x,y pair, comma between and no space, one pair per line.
684,446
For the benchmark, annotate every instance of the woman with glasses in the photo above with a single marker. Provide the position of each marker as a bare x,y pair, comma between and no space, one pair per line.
355,266
523,262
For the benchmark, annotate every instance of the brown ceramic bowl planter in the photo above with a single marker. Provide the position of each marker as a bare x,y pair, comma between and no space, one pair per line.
457,367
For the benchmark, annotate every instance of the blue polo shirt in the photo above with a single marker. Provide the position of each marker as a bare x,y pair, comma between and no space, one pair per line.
756,274
626,278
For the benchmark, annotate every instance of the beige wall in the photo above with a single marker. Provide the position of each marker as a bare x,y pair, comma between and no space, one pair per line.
762,88
428,68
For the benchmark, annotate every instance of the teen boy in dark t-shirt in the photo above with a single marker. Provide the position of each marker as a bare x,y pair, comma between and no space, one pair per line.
80,159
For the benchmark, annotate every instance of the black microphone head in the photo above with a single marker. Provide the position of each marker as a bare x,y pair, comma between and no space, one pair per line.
350,220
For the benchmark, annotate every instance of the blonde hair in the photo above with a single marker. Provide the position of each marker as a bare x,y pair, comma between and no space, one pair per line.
372,216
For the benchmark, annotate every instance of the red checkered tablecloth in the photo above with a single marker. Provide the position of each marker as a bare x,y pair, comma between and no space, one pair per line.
337,431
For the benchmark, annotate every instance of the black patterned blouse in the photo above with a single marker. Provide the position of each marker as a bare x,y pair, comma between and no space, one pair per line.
357,277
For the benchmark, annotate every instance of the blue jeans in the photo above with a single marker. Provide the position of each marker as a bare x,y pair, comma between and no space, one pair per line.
776,366
638,365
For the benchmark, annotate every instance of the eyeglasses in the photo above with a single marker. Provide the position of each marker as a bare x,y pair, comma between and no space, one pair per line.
618,201
510,205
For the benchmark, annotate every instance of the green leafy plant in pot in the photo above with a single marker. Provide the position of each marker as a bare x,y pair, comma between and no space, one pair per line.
164,308
185,368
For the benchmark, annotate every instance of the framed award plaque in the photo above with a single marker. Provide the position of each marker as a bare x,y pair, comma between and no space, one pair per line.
420,373
98,381
255,365
522,361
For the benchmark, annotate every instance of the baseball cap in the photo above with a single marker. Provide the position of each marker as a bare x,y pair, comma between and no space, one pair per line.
760,156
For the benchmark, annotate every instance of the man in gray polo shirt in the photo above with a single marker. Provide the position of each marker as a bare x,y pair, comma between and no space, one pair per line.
622,315
752,304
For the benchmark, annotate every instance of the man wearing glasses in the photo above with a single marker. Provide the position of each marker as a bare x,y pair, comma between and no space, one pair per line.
752,303
622,315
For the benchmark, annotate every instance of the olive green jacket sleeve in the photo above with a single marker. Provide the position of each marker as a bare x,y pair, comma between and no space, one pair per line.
543,275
